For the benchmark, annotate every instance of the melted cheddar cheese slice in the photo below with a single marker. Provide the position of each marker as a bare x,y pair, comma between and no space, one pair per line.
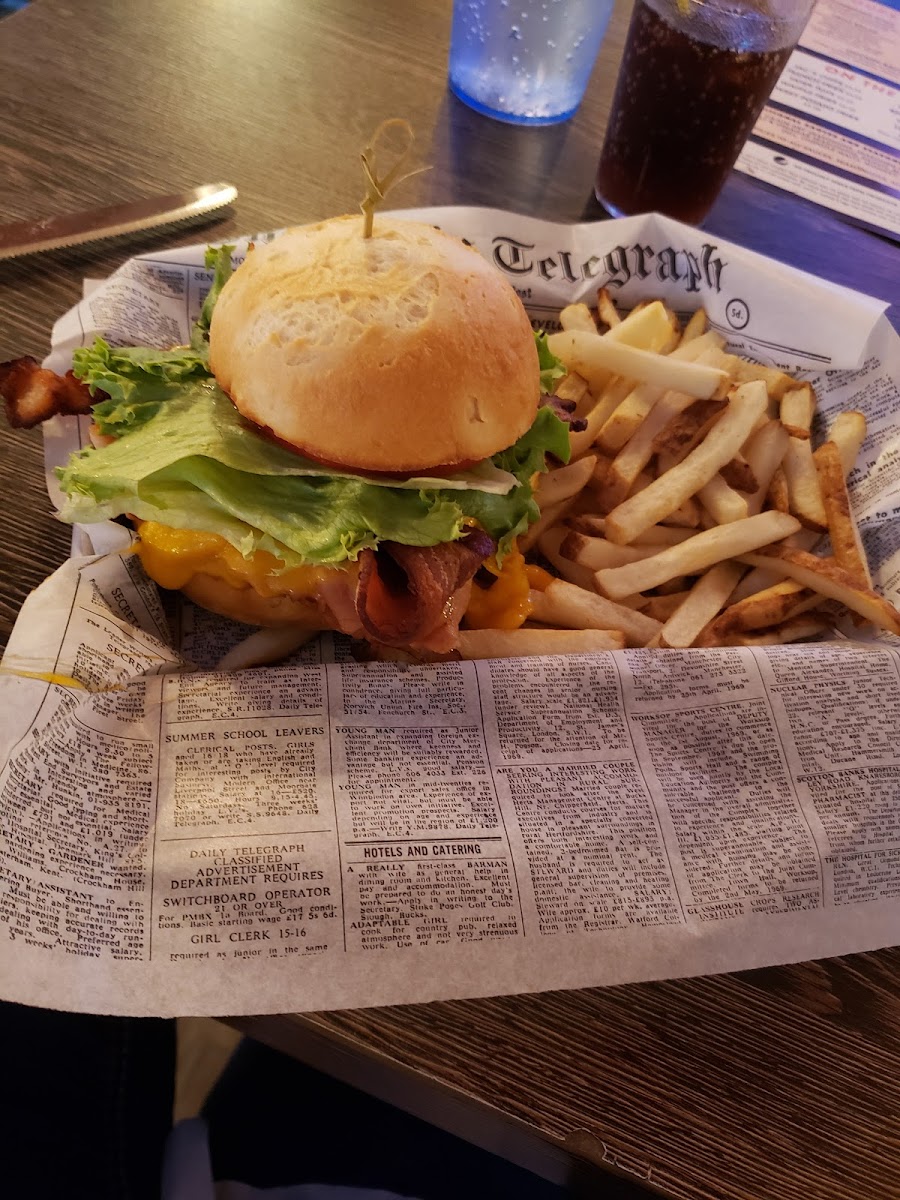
505,604
172,557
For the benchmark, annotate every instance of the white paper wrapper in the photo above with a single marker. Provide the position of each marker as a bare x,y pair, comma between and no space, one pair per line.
325,834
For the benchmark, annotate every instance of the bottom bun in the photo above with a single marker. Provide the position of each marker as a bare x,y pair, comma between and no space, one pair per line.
247,605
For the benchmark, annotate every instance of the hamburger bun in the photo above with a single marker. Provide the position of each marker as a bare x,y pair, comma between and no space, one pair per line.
398,353
247,605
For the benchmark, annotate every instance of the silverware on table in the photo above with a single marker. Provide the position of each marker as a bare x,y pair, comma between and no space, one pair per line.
72,229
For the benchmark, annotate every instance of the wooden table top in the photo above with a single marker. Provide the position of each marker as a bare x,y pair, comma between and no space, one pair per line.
774,1083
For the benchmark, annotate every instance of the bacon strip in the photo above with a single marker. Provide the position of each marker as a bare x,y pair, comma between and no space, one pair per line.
404,591
33,394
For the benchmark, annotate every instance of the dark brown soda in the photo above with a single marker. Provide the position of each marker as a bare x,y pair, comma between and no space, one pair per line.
684,105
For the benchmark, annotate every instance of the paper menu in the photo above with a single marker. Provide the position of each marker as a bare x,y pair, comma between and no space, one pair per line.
327,834
865,34
831,130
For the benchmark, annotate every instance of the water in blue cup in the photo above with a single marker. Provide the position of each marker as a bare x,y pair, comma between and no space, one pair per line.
525,61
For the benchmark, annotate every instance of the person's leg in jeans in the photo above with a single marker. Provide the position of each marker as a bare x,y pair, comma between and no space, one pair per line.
86,1104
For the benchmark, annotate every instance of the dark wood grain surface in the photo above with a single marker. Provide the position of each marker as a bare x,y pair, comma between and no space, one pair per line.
781,1083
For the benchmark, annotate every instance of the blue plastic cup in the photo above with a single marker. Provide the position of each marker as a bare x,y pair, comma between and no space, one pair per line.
525,61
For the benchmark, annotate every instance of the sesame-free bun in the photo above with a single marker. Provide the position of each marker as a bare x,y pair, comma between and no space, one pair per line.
394,353
247,605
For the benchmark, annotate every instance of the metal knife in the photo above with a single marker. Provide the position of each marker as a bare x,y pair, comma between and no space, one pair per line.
51,233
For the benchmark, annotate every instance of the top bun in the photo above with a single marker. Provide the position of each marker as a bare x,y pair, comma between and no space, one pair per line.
396,353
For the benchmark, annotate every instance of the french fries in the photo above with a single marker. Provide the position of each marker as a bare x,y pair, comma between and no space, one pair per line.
596,553
764,453
739,474
611,397
777,383
577,316
687,429
778,495
549,516
686,622
845,540
693,502
803,495
647,327
595,357
848,433
606,310
672,489
628,464
722,502
662,607
520,643
569,607
550,546
828,579
626,418
696,554
565,482
695,327
795,629
767,608
797,408
267,645
573,387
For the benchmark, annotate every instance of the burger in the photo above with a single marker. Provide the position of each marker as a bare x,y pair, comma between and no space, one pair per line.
353,435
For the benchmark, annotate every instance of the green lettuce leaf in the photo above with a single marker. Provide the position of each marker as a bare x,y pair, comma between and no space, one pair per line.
137,380
195,465
527,457
552,369
218,260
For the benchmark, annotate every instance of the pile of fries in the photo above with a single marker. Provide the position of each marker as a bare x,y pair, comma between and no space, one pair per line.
693,504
